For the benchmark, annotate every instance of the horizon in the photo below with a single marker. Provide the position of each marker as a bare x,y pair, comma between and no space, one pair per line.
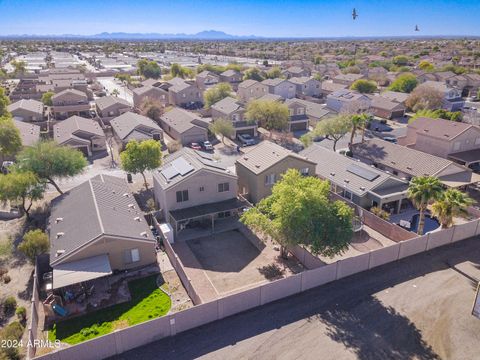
273,19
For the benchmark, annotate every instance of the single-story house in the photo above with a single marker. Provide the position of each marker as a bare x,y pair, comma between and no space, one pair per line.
207,79
29,133
95,229
27,110
131,126
80,133
395,96
184,126
296,71
356,181
347,79
329,87
260,167
348,101
111,106
407,163
316,112
385,108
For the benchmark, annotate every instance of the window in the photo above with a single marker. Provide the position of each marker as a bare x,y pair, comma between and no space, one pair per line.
202,188
132,256
270,179
182,196
304,171
291,112
222,187
300,111
224,214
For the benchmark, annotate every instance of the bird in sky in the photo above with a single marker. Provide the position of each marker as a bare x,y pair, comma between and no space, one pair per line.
416,28
354,14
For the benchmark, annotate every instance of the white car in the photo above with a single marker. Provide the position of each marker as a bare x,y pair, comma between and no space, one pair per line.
207,145
246,139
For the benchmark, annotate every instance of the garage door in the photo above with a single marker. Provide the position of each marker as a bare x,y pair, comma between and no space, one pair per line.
299,126
250,132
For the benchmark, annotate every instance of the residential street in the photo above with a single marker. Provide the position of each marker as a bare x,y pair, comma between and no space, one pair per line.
417,308
110,84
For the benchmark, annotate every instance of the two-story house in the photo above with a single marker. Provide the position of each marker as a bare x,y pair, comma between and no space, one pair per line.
233,77
193,190
111,106
452,97
348,101
70,102
144,93
233,110
298,119
206,79
306,86
251,89
281,87
261,167
447,139
182,93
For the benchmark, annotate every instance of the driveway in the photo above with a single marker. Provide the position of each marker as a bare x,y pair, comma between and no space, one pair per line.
110,84
416,308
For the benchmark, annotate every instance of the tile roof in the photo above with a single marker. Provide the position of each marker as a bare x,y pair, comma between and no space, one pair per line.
124,124
315,110
71,91
265,155
227,105
404,159
29,133
179,119
247,83
67,129
100,206
197,160
440,128
335,167
107,101
27,104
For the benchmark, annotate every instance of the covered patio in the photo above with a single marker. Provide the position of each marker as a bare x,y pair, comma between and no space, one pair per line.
206,219
467,158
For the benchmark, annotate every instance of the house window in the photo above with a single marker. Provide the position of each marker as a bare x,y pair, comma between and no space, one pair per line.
224,214
300,111
270,179
304,171
182,196
132,256
222,187
202,188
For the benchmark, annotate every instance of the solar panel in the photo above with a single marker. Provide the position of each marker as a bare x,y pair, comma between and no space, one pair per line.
169,172
362,172
182,166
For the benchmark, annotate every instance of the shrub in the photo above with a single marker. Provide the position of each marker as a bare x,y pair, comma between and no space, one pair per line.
21,313
9,304
7,279
382,214
34,243
13,331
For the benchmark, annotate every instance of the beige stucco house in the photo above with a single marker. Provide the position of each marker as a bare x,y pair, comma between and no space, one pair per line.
27,110
184,126
251,89
70,102
261,167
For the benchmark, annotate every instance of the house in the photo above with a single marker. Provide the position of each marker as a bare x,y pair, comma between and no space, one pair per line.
131,126
70,102
395,96
251,89
141,94
231,109
385,108
184,126
329,87
444,138
316,112
348,101
111,106
298,119
233,77
259,168
83,134
191,187
407,163
27,110
95,229
306,86
29,133
281,87
452,97
473,83
206,79
182,93
356,181
296,71
347,79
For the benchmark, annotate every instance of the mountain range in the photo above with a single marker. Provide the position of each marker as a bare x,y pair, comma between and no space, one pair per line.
203,35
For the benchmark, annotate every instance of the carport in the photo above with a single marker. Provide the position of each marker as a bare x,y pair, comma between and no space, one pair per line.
204,216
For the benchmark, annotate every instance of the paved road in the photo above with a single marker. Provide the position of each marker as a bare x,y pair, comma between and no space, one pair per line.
417,308
110,84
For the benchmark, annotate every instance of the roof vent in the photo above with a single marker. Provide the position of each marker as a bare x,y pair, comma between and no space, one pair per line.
346,181
59,234
131,206
257,166
332,174
362,188
126,194
409,168
245,158
57,220
144,234
137,218
59,252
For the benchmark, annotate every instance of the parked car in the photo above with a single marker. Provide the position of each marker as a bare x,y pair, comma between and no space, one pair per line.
195,146
207,145
390,139
246,139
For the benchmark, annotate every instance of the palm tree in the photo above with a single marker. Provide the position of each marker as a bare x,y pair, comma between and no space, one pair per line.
421,191
115,92
359,121
452,203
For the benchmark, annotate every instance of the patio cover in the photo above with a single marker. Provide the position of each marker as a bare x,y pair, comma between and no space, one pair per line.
208,209
460,179
82,270
468,157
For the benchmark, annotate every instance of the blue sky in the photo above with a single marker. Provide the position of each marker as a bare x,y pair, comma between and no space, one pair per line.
275,18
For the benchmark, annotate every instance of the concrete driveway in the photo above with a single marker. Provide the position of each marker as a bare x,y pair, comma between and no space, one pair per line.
416,308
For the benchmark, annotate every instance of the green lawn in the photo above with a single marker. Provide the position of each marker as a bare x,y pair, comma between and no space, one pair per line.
148,302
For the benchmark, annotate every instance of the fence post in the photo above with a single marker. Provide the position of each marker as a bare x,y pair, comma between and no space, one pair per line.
336,270
369,258
453,233
426,244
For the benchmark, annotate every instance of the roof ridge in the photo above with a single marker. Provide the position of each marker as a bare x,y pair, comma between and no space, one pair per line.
100,222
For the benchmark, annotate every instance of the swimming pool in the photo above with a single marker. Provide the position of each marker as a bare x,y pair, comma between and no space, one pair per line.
431,223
